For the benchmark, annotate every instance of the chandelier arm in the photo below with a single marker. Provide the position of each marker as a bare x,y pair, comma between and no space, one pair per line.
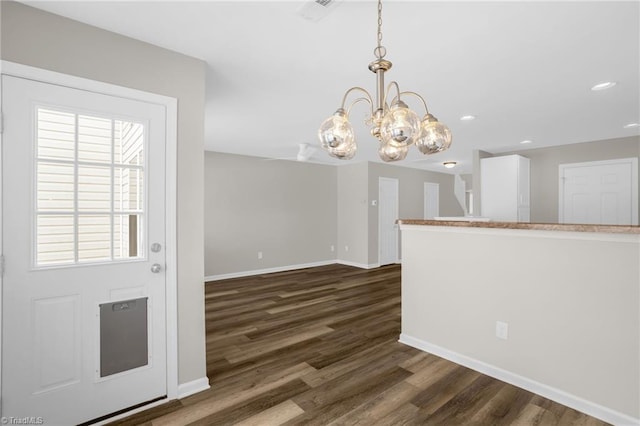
394,84
358,100
367,95
424,103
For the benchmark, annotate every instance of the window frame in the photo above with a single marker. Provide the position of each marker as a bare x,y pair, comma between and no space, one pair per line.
143,230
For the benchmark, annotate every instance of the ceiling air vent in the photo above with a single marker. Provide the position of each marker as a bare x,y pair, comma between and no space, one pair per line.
314,11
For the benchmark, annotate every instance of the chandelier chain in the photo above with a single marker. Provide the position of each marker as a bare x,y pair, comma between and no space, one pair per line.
380,51
379,23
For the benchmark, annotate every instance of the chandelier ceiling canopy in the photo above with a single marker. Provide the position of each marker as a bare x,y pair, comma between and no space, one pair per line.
392,122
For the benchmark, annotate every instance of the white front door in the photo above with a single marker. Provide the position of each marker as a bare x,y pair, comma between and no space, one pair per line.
83,221
387,217
431,200
599,192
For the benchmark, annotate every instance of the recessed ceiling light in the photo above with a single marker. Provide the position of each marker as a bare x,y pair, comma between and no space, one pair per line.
631,125
603,86
467,118
449,164
526,142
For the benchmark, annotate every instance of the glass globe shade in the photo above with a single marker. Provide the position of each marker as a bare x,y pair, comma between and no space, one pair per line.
388,152
336,132
344,152
434,137
400,126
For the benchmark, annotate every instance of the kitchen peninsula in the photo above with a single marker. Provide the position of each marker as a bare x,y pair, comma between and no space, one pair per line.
551,308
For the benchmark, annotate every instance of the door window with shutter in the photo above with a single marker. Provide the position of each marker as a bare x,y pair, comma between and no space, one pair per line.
90,203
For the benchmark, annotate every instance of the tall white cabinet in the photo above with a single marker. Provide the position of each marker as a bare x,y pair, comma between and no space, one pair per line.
504,188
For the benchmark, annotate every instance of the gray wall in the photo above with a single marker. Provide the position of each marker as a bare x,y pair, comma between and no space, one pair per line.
352,213
545,164
294,212
285,209
411,197
571,302
40,39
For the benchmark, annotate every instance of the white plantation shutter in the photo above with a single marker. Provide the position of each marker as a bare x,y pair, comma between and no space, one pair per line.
89,186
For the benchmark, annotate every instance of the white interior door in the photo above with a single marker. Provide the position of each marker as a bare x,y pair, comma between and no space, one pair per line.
83,217
431,200
602,192
387,217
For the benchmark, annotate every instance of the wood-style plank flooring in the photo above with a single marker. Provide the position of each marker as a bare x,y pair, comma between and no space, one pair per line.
319,346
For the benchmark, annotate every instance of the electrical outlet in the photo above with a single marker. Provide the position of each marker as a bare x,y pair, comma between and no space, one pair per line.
346,248
502,330
259,255
333,248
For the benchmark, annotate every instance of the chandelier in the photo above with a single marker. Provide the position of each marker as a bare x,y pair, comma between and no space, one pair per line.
392,123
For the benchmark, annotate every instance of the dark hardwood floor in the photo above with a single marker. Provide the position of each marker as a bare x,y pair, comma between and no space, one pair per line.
319,346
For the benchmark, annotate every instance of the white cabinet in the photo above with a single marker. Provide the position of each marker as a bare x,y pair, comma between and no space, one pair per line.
504,188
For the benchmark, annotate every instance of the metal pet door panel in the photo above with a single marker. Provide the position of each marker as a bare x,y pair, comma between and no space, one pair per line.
123,336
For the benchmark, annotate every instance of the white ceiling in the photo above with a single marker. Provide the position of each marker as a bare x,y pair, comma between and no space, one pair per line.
524,69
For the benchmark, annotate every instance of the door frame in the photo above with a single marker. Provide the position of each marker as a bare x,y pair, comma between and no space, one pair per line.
171,145
432,186
633,161
397,233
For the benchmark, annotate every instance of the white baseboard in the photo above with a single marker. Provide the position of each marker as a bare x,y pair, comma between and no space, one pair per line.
194,386
595,410
267,270
357,265
288,268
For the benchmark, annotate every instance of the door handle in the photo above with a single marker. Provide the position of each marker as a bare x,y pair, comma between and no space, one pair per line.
155,268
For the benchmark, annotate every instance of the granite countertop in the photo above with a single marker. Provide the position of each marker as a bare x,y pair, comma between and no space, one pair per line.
612,229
